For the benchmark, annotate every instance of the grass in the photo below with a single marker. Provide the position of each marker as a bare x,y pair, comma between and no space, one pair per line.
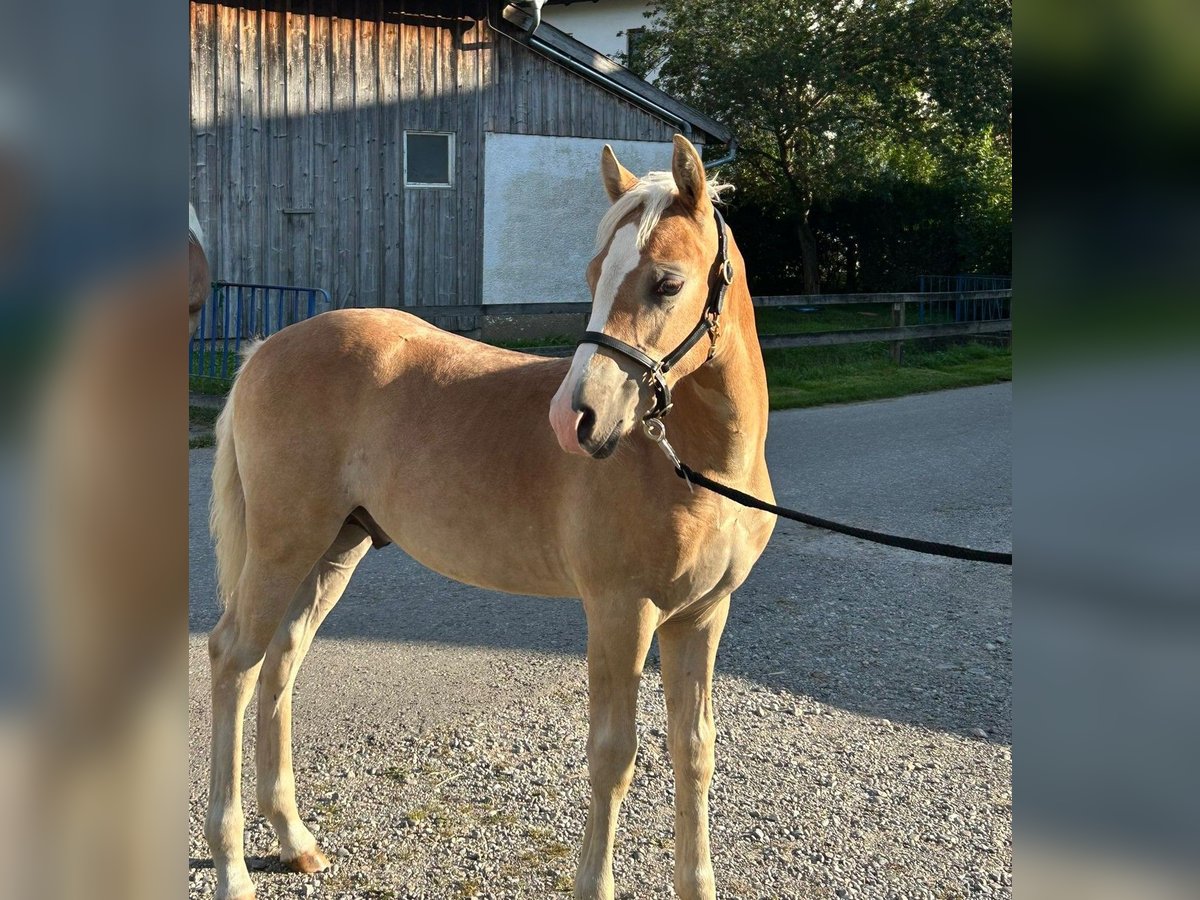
202,418
553,340
779,320
203,415
221,364
814,376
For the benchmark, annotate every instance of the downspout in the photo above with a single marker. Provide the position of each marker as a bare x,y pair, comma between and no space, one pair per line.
537,15
729,157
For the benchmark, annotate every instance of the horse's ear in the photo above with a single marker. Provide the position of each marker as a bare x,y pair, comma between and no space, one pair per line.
617,178
688,170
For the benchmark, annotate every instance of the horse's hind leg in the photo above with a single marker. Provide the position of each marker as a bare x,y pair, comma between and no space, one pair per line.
275,778
236,648
689,648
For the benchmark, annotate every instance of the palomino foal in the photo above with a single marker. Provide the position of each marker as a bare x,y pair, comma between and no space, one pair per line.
382,420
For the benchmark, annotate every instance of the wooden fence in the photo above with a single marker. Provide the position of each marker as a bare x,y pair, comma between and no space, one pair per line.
972,312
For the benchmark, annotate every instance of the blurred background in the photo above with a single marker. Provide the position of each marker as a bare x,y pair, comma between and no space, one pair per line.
93,275
1107,628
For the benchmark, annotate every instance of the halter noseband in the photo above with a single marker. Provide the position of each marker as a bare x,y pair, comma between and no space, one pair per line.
710,324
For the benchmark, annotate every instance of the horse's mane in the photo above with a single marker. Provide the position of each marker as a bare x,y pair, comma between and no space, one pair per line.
195,232
653,193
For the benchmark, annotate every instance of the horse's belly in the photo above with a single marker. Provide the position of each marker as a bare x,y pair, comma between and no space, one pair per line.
515,559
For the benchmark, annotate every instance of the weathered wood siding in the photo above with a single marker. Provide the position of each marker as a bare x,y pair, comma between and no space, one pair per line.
298,117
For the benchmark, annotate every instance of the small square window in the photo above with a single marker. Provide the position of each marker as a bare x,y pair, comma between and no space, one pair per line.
428,159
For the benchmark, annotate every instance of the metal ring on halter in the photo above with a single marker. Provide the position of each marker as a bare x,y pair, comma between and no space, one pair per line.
655,429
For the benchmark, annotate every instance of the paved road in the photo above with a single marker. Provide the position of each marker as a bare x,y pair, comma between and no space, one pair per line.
904,655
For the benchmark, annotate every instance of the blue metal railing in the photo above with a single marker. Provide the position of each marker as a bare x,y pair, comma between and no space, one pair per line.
963,310
237,312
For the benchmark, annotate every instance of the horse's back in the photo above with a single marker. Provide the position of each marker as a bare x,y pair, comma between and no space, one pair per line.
333,361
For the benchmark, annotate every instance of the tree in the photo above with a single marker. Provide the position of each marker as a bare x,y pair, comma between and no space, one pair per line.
828,97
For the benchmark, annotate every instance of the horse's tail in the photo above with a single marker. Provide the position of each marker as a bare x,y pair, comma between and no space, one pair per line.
227,508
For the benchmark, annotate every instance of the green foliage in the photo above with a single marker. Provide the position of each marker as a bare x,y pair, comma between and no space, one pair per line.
874,137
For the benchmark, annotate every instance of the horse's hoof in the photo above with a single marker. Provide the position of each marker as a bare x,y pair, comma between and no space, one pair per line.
308,863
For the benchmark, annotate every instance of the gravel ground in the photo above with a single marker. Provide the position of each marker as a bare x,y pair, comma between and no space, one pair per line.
863,700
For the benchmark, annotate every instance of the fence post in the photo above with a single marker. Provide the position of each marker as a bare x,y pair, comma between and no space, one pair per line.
898,321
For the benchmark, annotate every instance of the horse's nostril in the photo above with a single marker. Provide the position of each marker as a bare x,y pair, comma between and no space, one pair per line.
587,421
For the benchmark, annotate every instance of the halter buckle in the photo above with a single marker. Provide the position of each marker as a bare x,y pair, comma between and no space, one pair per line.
714,332
727,271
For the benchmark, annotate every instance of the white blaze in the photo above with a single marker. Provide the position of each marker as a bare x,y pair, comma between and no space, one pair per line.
621,259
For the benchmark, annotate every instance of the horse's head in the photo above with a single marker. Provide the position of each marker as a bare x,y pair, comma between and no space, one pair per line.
650,284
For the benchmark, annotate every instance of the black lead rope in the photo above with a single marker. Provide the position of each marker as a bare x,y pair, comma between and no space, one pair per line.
932,548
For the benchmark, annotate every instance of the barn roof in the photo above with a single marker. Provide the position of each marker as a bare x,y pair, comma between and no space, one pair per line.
605,73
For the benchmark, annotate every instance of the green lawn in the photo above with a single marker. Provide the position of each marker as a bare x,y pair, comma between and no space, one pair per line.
813,376
212,373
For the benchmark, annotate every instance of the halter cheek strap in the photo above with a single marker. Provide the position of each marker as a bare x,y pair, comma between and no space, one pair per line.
709,324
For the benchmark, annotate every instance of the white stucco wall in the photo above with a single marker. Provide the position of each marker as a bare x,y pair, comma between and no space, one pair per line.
601,24
542,202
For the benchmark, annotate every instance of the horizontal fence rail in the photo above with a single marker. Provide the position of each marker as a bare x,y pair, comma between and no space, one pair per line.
938,314
873,335
237,312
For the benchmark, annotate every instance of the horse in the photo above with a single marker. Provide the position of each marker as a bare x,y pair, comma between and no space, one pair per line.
396,431
198,273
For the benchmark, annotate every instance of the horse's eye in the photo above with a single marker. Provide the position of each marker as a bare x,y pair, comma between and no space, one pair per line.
669,287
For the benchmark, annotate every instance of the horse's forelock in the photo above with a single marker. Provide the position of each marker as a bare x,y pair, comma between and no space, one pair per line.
654,192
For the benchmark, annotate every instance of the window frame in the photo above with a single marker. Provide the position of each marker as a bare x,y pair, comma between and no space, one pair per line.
435,185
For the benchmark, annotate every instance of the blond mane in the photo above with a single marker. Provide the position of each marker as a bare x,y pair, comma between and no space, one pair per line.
653,193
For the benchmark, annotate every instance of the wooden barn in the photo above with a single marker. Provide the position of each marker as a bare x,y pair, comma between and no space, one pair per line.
402,153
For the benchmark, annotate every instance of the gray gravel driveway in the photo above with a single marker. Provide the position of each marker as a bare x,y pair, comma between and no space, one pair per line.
863,699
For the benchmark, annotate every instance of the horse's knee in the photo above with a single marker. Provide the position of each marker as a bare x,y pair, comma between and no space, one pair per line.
611,753
693,753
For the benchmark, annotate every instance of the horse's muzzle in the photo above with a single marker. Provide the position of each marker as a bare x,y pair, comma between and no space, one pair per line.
565,419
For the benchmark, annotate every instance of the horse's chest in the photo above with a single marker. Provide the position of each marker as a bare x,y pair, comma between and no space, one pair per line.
681,555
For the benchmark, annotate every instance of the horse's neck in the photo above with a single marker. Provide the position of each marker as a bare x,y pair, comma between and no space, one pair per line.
722,408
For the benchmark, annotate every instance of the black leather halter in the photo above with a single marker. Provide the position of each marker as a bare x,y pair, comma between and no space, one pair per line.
709,324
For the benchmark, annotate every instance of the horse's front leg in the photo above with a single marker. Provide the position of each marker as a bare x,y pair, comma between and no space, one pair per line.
619,635
689,649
